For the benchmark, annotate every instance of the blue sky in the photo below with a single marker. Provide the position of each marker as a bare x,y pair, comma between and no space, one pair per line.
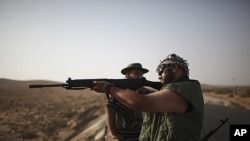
57,39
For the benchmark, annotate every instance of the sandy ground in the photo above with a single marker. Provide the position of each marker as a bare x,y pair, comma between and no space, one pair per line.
226,100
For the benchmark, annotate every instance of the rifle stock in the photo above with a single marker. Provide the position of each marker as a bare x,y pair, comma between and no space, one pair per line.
79,84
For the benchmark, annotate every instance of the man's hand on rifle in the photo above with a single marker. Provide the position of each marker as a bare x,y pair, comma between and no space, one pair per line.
102,86
98,86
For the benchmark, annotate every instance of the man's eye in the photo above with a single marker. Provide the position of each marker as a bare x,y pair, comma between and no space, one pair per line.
161,69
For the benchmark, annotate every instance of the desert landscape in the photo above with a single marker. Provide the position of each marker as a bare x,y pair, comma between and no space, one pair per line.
45,114
56,114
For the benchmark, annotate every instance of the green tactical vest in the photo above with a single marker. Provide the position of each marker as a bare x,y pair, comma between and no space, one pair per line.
177,127
127,119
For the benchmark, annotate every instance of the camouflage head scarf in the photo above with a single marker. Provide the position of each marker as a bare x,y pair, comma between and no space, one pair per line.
173,59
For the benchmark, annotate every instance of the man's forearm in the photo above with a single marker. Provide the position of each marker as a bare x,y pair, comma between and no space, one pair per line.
126,97
110,120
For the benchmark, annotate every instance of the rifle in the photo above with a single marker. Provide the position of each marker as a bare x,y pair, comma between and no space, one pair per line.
79,84
206,137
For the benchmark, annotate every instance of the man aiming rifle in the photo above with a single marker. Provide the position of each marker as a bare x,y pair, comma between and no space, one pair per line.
175,112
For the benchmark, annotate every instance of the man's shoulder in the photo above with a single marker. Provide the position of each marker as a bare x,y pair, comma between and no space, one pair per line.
182,84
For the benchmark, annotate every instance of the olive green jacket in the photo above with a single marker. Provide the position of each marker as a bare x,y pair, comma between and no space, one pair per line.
177,127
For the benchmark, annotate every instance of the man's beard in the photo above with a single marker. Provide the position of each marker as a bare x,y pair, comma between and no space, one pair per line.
170,77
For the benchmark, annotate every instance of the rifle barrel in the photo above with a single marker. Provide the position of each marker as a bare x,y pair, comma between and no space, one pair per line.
51,85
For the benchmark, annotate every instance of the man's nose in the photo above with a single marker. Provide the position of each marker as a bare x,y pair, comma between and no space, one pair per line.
159,77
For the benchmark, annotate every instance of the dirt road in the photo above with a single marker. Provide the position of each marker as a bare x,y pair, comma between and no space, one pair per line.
94,132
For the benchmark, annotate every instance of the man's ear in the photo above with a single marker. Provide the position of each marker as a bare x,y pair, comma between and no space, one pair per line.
127,75
175,67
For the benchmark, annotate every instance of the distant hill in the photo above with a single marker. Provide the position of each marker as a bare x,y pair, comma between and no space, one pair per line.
9,82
